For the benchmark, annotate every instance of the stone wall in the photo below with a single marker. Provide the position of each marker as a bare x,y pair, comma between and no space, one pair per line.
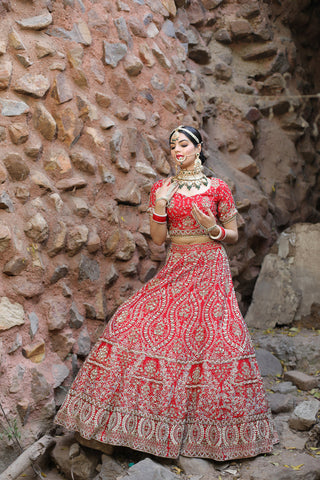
88,93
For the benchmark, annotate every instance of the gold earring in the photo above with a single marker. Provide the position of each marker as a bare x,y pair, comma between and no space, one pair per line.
197,163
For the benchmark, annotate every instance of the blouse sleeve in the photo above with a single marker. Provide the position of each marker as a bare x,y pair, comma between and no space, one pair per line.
226,207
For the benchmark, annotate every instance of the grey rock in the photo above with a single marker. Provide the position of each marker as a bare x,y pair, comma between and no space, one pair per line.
90,311
80,33
57,240
111,276
77,237
80,207
15,40
61,89
284,387
84,343
88,269
5,202
66,291
82,466
44,49
40,388
56,315
103,100
97,71
223,36
16,344
33,85
115,144
34,324
13,108
148,469
168,29
281,403
16,167
84,160
301,380
16,380
137,27
106,175
44,122
34,149
106,123
37,228
76,319
145,169
59,374
72,183
222,72
60,272
211,4
261,52
305,415
274,282
268,363
110,469
113,53
127,246
157,6
133,65
157,82
142,244
160,56
5,237
194,466
40,179
267,468
147,270
147,152
38,22
199,53
299,352
129,194
5,74
62,344
123,32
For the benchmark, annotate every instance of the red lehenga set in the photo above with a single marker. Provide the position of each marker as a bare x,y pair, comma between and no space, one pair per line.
174,371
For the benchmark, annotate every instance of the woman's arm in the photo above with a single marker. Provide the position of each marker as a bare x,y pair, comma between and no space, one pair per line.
164,194
158,231
231,231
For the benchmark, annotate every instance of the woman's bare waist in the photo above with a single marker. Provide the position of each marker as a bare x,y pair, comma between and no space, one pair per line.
190,239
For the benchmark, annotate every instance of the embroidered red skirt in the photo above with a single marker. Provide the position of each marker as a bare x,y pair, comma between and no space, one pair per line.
175,371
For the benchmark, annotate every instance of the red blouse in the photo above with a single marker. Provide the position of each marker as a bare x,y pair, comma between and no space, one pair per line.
218,198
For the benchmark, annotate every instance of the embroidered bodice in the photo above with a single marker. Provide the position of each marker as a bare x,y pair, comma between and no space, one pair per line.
218,198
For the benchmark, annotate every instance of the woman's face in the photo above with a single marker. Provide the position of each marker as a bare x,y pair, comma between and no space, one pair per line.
183,151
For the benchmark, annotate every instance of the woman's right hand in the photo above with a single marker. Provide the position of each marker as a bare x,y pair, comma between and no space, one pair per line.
166,192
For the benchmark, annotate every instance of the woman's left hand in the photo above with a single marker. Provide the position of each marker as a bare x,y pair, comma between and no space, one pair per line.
204,220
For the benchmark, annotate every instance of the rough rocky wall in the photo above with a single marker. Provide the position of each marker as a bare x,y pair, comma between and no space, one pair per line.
88,92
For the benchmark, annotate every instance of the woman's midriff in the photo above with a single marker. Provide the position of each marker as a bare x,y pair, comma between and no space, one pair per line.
190,240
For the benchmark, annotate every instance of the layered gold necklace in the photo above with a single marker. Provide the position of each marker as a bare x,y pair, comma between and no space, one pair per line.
191,178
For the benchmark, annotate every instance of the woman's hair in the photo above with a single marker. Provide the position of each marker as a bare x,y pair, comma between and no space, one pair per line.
193,135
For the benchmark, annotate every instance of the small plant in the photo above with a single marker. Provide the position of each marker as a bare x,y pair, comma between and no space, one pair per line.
12,432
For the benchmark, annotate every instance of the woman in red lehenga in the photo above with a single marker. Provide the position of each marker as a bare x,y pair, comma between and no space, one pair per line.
174,372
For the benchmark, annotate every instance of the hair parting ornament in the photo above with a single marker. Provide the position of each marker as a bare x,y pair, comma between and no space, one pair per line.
174,135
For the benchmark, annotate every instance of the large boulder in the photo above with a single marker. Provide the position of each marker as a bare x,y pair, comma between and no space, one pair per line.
287,289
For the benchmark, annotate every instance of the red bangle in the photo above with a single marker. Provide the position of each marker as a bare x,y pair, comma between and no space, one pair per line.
159,218
223,234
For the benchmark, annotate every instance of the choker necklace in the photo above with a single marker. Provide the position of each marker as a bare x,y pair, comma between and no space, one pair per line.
191,178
